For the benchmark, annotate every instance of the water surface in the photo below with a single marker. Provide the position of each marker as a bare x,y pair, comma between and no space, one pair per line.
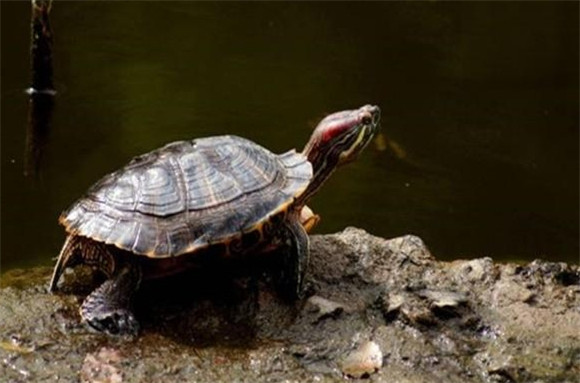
480,101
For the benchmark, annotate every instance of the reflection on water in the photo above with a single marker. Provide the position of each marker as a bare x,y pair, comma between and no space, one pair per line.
480,98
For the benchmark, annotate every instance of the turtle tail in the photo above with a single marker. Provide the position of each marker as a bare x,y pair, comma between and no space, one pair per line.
64,260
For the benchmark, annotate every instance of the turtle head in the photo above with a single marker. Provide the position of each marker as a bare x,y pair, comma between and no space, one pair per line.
341,136
338,139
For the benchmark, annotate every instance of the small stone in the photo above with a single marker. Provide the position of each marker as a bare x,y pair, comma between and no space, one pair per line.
395,302
391,305
102,367
474,271
364,361
444,299
529,297
325,307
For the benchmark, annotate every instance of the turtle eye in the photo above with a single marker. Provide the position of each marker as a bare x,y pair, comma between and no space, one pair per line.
366,119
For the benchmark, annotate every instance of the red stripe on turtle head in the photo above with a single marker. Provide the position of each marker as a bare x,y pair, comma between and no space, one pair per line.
336,124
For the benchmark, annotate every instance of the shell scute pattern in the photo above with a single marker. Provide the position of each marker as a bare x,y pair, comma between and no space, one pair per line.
205,185
189,194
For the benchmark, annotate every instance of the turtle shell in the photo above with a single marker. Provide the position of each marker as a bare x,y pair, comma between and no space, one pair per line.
188,195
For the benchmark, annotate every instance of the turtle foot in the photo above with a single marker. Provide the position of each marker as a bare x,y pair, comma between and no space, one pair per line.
116,322
108,308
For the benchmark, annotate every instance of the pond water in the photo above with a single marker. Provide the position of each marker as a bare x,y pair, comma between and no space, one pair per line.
479,104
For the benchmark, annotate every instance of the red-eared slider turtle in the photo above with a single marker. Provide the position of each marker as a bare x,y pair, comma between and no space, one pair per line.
220,195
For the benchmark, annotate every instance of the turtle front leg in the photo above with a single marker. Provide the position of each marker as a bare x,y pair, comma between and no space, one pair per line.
108,308
296,252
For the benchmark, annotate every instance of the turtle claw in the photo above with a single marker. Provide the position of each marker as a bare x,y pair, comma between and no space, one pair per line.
117,322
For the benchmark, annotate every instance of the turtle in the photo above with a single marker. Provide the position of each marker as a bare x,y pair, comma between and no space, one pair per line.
221,196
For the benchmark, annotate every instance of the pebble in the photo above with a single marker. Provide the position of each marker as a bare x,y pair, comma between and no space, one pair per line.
444,299
394,303
325,307
364,361
102,367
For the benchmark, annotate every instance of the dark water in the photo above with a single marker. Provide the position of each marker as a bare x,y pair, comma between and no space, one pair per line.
480,101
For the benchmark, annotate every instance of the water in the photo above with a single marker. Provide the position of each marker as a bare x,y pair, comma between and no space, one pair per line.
479,100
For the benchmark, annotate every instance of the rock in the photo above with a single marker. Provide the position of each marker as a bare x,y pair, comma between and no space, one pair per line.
475,271
364,361
471,321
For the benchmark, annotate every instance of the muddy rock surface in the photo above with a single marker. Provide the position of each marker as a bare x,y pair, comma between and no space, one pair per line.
376,310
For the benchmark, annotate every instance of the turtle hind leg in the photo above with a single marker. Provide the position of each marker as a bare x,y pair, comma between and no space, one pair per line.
108,308
294,260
